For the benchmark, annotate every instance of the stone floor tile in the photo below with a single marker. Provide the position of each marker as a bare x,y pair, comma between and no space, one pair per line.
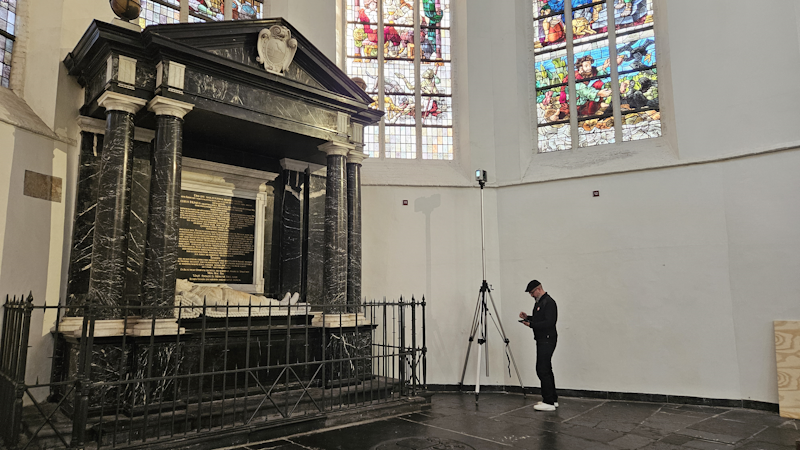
762,446
509,422
780,436
725,438
630,441
718,425
708,445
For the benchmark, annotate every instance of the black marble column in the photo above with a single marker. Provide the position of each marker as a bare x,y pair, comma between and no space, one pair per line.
80,262
354,160
110,242
137,234
315,257
291,241
334,276
161,260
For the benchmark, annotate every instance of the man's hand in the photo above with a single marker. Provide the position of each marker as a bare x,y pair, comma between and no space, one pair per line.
526,323
523,315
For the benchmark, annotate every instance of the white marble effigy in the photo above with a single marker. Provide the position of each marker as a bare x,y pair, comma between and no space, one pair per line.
221,301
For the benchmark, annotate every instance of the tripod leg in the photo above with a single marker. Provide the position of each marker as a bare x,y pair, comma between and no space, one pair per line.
478,374
471,338
505,339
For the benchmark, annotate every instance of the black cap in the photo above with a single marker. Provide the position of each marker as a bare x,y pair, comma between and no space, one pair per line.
532,285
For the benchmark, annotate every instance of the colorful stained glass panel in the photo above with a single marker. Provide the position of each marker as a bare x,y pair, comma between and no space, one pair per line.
641,125
549,27
399,109
398,77
545,8
212,9
435,13
552,71
436,111
155,13
245,9
398,12
596,132
437,143
401,142
398,42
589,19
367,70
554,137
636,51
436,78
592,83
434,44
552,104
638,91
632,13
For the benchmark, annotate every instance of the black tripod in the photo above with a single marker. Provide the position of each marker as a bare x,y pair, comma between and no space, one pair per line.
479,319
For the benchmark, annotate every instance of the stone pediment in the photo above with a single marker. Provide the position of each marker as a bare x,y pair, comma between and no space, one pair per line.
238,42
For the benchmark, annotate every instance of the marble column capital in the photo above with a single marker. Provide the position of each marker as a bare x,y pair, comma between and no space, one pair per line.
113,101
336,148
357,156
164,106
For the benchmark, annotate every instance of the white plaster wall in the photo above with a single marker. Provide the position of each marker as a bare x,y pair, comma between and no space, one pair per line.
314,19
33,234
432,247
764,247
657,278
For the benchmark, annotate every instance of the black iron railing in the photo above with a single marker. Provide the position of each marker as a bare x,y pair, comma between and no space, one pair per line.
164,373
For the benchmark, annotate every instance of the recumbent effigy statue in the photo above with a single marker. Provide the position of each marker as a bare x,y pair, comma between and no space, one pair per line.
222,300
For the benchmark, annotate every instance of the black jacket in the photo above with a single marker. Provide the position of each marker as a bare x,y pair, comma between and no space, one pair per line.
544,317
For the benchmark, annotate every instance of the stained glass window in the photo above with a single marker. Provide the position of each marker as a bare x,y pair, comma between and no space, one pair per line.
407,71
155,12
8,20
610,69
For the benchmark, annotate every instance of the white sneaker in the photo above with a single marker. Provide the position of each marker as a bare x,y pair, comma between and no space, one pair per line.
554,404
544,407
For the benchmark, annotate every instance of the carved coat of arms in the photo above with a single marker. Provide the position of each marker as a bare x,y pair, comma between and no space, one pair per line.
276,49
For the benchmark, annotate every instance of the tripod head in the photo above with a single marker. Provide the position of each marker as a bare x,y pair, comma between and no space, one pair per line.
480,177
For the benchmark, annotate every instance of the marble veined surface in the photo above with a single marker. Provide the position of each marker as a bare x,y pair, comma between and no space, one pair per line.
787,354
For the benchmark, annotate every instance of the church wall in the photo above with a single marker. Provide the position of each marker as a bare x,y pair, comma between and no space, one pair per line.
306,16
658,270
32,230
432,247
667,283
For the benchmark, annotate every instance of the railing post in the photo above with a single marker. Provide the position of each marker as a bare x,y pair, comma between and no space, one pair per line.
402,352
414,373
81,402
424,349
19,358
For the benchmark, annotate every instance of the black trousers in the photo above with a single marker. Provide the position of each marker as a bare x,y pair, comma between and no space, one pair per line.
544,370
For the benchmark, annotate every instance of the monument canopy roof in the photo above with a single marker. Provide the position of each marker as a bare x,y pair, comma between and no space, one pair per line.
238,104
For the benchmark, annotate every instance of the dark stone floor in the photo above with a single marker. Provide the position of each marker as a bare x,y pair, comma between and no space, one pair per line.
508,421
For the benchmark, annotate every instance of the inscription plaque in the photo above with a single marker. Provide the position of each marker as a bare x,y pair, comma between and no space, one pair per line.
216,238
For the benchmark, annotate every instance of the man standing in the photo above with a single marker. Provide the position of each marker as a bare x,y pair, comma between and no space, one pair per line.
543,321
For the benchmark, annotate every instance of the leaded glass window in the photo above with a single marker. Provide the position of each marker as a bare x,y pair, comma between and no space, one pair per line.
156,12
407,71
607,60
8,20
